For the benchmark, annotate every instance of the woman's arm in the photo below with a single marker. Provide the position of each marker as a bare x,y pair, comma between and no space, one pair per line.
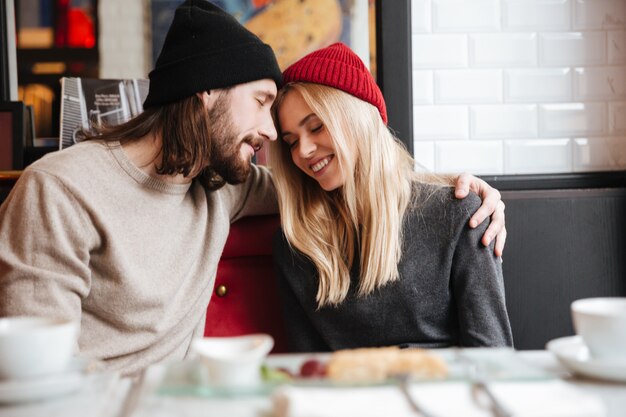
478,285
301,334
492,205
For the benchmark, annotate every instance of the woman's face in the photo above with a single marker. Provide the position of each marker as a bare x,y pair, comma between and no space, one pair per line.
310,143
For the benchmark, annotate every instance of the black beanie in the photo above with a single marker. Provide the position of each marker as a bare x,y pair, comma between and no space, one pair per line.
207,48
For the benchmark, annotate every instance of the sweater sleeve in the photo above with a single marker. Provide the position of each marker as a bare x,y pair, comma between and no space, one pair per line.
256,196
301,334
45,240
477,284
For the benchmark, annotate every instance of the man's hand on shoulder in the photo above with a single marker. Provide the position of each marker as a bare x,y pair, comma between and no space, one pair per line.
492,205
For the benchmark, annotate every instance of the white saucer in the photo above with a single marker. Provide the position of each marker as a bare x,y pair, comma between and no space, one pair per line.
574,355
49,386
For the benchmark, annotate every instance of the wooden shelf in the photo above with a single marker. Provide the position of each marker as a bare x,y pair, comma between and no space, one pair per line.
58,54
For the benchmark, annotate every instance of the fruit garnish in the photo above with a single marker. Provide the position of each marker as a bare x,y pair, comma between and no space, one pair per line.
313,368
274,375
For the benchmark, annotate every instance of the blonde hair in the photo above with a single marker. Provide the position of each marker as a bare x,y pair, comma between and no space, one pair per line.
364,214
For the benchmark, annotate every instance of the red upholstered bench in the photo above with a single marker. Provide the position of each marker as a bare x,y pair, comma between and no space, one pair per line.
245,299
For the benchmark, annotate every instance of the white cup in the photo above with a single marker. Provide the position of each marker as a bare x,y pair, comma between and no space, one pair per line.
35,346
234,361
602,324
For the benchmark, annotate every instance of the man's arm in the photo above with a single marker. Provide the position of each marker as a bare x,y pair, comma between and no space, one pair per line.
44,250
256,196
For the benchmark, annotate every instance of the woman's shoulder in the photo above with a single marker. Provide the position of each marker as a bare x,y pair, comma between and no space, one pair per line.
279,241
282,249
439,200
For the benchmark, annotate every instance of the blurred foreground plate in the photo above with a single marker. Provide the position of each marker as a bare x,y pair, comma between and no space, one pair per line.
189,378
572,352
49,386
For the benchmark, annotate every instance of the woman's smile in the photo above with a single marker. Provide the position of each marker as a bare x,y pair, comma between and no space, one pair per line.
318,167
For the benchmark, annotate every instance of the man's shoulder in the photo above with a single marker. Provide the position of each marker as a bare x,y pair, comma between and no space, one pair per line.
75,161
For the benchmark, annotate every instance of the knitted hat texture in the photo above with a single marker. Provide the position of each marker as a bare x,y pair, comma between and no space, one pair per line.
338,67
206,48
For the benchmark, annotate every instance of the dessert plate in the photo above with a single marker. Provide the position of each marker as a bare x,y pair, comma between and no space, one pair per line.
572,352
189,378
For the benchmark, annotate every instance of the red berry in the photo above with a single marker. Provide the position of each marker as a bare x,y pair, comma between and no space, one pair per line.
312,368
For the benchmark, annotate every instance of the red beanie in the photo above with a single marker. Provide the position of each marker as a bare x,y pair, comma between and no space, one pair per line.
338,67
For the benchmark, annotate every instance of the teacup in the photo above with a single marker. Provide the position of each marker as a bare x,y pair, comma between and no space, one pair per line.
234,361
602,324
35,346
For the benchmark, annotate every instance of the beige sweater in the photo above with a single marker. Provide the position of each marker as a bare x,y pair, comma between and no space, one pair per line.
87,235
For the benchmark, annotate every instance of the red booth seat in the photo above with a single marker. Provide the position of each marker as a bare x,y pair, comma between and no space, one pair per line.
245,298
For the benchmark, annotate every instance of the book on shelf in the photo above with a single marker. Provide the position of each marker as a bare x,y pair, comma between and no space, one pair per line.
88,104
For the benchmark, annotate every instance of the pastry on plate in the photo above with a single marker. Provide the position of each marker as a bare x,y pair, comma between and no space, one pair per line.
378,364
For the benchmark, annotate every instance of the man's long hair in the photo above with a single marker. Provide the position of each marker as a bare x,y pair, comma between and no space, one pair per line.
184,127
365,214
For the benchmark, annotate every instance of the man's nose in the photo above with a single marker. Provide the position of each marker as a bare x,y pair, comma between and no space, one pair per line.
268,130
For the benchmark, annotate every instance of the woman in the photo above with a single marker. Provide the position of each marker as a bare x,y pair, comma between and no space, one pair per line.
371,253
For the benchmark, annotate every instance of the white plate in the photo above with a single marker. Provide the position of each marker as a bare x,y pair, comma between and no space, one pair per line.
574,355
45,387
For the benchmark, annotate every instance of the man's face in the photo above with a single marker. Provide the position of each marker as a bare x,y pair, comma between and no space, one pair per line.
240,122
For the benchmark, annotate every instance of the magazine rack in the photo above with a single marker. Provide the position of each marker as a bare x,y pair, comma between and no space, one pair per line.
89,103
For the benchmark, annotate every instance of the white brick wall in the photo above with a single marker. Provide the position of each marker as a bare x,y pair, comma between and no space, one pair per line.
124,38
519,86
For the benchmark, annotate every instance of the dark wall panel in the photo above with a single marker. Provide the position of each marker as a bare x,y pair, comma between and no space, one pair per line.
562,245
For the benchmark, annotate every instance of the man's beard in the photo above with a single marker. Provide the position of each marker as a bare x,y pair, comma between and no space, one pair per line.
226,158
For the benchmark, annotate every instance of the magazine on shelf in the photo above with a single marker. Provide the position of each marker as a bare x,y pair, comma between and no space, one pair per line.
87,104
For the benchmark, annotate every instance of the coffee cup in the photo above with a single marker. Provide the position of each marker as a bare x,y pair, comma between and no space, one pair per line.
234,361
601,322
35,346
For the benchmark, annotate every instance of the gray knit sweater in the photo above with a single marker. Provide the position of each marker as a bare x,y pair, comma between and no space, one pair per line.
450,291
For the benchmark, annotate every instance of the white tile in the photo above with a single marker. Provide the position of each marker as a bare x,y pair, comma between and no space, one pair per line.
503,49
439,51
599,14
600,83
617,47
537,85
468,86
466,15
572,48
480,157
537,156
424,155
440,122
535,15
599,154
420,16
422,87
617,118
573,119
502,122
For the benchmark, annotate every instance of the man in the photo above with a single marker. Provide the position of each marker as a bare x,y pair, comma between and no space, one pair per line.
123,232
